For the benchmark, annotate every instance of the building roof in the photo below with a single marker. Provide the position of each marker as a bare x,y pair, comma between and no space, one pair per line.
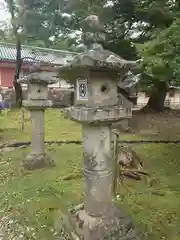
47,55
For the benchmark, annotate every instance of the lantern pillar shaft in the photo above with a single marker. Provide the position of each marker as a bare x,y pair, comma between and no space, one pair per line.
97,169
37,125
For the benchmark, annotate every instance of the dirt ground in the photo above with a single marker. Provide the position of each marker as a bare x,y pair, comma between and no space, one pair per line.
157,125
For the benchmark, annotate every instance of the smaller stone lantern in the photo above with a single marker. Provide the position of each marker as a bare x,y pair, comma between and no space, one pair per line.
95,74
127,95
37,101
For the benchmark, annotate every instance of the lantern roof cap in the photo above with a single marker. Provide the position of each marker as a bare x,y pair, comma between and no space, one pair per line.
40,74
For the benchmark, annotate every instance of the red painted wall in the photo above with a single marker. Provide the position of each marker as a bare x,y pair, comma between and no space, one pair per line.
7,70
6,76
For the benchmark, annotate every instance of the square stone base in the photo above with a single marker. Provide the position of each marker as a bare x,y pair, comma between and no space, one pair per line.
38,161
114,226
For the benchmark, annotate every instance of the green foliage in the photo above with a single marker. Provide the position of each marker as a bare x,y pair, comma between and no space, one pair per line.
40,20
161,54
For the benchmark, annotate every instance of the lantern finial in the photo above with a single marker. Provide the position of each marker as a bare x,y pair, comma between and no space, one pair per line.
93,31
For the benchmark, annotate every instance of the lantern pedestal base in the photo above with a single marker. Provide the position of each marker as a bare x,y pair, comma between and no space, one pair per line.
115,225
38,161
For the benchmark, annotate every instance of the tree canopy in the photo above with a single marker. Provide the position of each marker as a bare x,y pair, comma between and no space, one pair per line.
135,29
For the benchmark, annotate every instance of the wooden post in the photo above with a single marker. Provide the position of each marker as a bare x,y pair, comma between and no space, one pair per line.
115,164
22,119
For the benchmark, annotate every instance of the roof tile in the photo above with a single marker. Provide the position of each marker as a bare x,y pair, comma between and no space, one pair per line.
8,52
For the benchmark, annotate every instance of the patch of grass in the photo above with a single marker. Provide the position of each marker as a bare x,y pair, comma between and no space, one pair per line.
56,127
157,217
34,198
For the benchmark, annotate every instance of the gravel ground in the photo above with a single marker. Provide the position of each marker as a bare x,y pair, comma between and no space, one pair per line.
11,230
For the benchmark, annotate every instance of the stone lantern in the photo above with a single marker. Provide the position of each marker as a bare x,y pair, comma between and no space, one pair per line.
128,94
95,74
36,102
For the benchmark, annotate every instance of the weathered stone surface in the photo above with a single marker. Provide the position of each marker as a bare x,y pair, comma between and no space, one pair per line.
59,97
37,104
97,169
37,161
115,225
40,78
105,115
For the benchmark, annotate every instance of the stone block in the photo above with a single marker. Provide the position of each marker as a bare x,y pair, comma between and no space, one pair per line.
115,225
38,161
96,91
37,92
59,97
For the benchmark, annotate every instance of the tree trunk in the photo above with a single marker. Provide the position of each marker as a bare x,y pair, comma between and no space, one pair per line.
157,98
17,85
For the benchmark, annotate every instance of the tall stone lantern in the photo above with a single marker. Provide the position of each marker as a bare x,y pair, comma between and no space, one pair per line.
36,102
95,74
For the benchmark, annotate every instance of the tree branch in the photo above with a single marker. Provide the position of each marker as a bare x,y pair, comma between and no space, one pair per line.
17,86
